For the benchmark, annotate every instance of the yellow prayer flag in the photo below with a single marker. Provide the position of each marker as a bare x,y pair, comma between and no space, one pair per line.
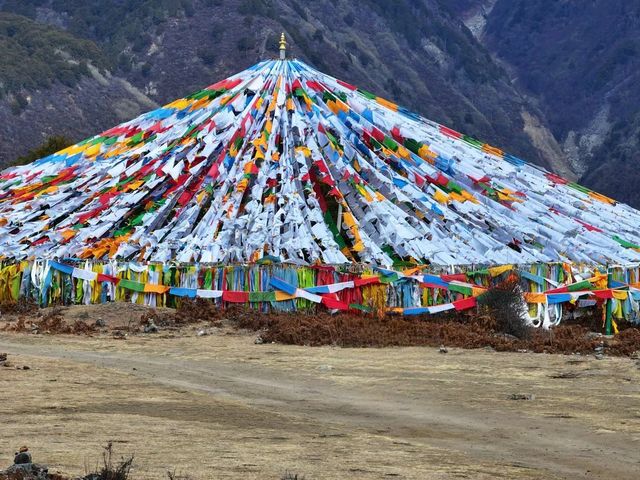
495,271
440,197
154,288
535,297
620,294
387,103
281,296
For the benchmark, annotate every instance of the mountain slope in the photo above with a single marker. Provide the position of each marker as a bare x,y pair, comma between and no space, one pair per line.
415,53
52,83
581,61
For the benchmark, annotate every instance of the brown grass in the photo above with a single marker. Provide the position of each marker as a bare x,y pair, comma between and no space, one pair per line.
469,329
24,306
188,312
51,321
464,331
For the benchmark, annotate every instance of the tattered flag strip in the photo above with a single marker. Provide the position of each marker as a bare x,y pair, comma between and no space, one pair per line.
406,292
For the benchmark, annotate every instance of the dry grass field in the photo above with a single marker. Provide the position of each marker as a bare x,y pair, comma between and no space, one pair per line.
219,406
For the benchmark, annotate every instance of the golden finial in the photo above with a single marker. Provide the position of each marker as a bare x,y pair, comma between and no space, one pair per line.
283,47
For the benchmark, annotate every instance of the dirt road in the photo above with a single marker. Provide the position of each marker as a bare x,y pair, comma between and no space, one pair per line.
221,407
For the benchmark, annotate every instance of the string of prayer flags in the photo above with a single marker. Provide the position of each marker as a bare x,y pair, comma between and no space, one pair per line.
281,160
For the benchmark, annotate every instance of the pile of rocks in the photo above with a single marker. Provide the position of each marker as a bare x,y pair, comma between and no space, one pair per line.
28,471
23,467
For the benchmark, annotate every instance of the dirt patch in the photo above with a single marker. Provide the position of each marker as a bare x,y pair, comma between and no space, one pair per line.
68,319
117,317
219,406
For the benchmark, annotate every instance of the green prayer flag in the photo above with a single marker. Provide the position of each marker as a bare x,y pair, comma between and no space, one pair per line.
390,144
358,306
369,95
131,285
472,141
625,243
460,289
576,287
262,296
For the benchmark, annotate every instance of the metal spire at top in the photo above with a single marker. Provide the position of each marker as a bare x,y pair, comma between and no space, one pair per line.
283,47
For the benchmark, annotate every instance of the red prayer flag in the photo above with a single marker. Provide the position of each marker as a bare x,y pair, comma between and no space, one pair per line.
359,282
460,277
347,85
558,290
450,132
556,178
235,297
603,294
465,303
589,227
312,84
333,304
108,278
377,134
397,136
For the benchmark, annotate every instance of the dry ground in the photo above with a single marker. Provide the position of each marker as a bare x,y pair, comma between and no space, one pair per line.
219,406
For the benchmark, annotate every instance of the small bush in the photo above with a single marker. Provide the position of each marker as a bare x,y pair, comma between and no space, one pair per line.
207,56
177,476
188,311
349,19
19,104
504,306
198,310
246,43
111,470
291,476
50,146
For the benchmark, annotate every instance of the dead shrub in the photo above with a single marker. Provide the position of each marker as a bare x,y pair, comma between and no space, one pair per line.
159,318
52,322
188,311
24,306
177,476
291,476
503,305
450,329
198,310
111,469
627,342
347,330
562,339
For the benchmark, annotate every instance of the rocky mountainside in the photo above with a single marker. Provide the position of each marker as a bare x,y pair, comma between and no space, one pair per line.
417,53
52,83
580,61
